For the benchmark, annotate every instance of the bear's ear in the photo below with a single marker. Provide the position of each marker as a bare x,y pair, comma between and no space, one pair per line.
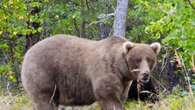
155,47
127,46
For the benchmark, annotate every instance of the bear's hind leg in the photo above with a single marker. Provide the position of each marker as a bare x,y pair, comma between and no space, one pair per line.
42,101
42,105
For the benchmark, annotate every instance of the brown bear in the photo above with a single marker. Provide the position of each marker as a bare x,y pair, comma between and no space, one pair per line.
68,70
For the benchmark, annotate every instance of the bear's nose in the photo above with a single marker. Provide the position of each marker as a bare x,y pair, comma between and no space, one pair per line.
145,77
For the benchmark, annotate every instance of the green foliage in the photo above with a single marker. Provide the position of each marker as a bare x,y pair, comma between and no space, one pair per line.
12,22
172,22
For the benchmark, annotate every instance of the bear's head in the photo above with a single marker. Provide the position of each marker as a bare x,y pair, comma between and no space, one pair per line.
141,59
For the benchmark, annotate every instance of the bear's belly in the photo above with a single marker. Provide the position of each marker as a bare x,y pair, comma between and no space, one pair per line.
76,90
80,100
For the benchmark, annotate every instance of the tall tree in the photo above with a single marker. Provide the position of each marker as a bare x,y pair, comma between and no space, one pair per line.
82,26
120,18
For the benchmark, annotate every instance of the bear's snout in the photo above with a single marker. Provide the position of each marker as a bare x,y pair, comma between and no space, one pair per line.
146,77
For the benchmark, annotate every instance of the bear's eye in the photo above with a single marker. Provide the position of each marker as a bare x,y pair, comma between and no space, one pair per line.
150,61
138,60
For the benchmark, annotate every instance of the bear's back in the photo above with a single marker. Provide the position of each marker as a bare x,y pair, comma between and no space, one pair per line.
57,49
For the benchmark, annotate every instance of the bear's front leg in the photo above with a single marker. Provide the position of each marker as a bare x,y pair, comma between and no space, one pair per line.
110,105
108,93
127,85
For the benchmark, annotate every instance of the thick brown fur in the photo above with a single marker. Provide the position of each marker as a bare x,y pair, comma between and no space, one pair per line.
79,71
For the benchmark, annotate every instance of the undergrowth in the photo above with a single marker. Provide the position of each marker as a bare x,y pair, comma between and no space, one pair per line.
170,102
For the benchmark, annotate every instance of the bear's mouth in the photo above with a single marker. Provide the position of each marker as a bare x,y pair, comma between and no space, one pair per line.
145,80
142,79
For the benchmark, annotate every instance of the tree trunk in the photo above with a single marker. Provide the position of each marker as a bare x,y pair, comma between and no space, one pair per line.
120,18
104,28
82,25
33,38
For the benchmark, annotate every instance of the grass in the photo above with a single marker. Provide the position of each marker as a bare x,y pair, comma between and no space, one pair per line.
17,102
170,102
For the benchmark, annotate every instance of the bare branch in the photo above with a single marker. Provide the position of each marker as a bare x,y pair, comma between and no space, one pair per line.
190,3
